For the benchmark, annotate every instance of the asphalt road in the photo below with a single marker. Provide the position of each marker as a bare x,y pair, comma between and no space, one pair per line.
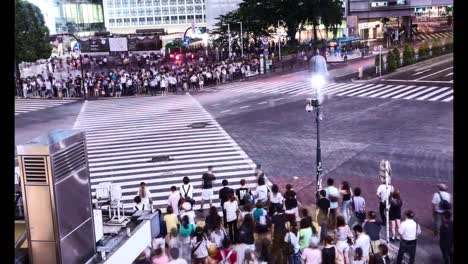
439,74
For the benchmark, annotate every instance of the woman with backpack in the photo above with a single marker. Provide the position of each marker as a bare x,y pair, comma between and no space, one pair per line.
395,214
261,219
186,192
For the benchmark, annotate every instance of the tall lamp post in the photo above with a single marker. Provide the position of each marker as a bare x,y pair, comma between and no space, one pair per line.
229,40
279,42
242,40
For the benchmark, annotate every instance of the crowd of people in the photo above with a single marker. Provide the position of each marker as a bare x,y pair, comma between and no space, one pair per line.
132,75
265,225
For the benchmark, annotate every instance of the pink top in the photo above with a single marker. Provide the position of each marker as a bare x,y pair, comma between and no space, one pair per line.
312,256
163,259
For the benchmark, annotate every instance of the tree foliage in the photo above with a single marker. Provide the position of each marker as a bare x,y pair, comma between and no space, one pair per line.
396,53
31,33
408,55
391,62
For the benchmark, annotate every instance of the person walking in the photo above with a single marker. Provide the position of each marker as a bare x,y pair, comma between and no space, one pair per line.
185,231
395,214
231,208
358,205
207,188
186,191
261,192
199,245
441,202
278,231
383,194
345,193
372,228
329,251
362,241
224,197
171,219
290,203
322,213
275,200
173,200
292,239
446,238
312,254
305,233
332,196
212,220
145,196
409,231
343,236
244,195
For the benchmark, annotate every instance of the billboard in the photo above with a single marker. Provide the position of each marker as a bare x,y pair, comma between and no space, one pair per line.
118,44
95,45
144,43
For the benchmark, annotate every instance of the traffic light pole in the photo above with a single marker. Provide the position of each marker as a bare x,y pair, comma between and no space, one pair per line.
318,153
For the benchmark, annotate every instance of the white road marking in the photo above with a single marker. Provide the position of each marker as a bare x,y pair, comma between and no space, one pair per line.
277,99
233,101
434,73
448,99
246,106
264,102
225,111
449,74
421,72
422,81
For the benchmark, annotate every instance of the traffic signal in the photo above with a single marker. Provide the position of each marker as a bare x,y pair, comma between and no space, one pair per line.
201,30
177,57
385,171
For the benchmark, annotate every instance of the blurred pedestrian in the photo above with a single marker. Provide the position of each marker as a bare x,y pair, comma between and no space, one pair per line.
409,231
333,196
446,238
207,188
312,254
345,192
372,228
441,202
395,214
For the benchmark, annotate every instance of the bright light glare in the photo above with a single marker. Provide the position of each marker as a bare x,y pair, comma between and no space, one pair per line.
317,81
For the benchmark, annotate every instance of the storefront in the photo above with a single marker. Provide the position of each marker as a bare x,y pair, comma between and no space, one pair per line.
370,29
434,11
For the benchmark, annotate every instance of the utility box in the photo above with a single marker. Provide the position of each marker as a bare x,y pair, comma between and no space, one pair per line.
56,191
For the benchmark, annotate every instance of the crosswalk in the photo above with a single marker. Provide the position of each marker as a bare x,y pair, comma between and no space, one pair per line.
30,105
435,35
122,142
371,90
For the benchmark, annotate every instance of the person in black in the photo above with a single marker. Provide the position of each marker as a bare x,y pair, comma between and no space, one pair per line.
241,194
224,197
258,171
246,230
207,188
328,251
290,203
372,228
279,231
446,237
323,207
213,220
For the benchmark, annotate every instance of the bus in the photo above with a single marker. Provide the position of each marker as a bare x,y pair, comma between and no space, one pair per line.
346,48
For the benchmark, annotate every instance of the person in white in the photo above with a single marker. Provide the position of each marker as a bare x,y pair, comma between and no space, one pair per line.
231,208
173,200
362,241
409,231
332,195
318,64
186,189
174,253
261,192
437,212
383,194
145,195
25,89
187,210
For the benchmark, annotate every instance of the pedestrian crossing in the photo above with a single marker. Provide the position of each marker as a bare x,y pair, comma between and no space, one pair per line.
124,135
370,90
435,36
30,105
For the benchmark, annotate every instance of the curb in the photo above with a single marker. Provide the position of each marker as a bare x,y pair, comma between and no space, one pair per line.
440,59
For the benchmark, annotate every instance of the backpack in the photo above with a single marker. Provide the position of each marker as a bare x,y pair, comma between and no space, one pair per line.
444,205
247,198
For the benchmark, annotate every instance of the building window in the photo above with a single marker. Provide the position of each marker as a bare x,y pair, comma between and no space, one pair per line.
182,20
149,2
181,2
141,12
149,20
157,20
165,11
197,1
141,21
117,4
149,11
119,22
118,12
126,22
134,21
112,22
173,10
125,12
166,20
132,3
157,2
173,2
110,4
189,9
174,20
198,9
181,10
190,18
124,3
198,18
111,13
133,12
189,2
164,2
157,11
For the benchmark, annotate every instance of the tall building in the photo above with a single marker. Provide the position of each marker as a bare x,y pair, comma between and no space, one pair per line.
79,17
126,16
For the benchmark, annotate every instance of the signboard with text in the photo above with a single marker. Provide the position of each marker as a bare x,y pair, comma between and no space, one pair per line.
144,43
94,45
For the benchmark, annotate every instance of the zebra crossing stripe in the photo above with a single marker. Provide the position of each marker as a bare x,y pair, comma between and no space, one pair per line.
371,88
121,146
345,87
31,105
356,88
286,88
421,92
441,96
432,93
405,88
409,92
375,90
448,99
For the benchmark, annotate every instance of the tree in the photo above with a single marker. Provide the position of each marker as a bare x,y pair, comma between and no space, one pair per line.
331,14
291,12
408,55
31,34
423,52
396,53
391,62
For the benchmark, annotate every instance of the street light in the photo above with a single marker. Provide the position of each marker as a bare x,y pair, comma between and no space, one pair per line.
314,105
242,40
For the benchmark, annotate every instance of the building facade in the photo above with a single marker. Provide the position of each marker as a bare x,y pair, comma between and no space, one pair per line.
79,17
126,16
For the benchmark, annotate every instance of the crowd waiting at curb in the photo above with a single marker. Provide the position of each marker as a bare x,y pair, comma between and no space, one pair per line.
135,78
266,225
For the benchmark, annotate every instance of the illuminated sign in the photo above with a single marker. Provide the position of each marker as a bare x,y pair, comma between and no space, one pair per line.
379,4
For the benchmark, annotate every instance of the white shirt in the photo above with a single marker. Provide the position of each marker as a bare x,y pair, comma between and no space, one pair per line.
231,208
173,201
291,237
332,191
409,230
140,207
147,197
382,192
363,242
278,198
190,214
186,189
436,199
261,193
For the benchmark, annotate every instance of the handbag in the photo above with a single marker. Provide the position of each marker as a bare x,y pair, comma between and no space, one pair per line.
372,255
